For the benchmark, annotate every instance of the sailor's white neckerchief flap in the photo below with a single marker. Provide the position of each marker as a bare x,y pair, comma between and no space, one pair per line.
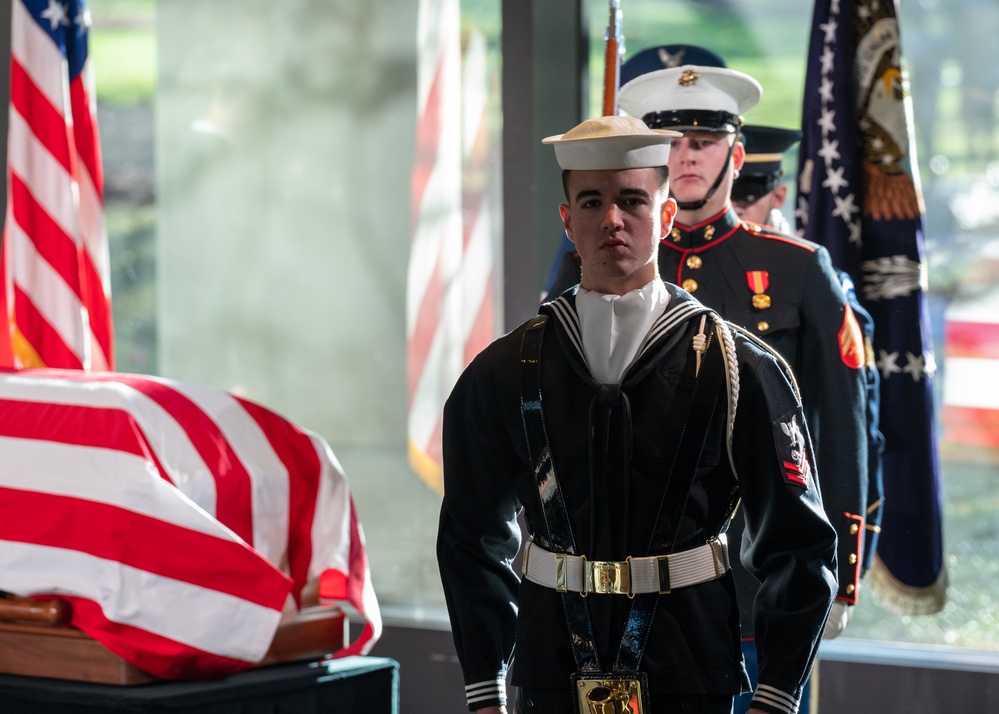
792,448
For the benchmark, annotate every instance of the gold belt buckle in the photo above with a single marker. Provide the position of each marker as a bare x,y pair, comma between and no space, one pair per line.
610,695
607,577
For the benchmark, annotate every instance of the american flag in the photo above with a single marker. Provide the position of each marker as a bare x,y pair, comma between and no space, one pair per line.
181,522
858,195
970,400
56,294
449,300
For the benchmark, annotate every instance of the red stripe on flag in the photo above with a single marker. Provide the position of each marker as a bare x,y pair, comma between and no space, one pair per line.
42,337
98,307
53,244
972,339
427,319
159,656
481,333
295,450
136,540
971,426
85,134
6,349
428,137
45,120
96,427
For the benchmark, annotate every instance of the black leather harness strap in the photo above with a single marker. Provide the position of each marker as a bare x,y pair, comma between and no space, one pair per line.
556,516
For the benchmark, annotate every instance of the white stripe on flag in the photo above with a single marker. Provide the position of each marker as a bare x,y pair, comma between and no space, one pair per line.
100,475
331,524
971,382
138,598
39,56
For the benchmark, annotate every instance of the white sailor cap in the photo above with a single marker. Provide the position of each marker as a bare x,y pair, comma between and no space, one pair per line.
691,97
612,142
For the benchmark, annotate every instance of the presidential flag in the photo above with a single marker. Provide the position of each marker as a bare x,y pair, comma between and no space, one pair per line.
55,295
858,195
181,523
450,307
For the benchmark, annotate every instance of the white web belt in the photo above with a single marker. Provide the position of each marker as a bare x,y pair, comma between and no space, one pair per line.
634,576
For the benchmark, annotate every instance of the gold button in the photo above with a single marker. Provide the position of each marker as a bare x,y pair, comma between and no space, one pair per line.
762,325
850,588
694,262
854,529
689,285
853,558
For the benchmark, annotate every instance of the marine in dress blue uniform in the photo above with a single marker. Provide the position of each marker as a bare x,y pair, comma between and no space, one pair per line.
783,290
559,420
759,192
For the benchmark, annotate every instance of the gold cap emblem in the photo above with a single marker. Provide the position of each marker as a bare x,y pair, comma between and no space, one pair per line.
690,285
694,262
688,77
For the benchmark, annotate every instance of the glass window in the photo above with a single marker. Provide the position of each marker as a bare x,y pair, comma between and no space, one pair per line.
276,173
950,55
260,164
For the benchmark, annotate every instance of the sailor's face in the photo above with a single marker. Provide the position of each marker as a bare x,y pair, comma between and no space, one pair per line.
616,219
695,159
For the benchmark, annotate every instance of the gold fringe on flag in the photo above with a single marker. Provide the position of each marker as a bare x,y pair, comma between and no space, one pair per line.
901,599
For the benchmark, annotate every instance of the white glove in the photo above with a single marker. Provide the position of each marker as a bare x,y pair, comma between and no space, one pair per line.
839,617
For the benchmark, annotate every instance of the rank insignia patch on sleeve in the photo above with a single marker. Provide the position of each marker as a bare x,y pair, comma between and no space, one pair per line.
792,447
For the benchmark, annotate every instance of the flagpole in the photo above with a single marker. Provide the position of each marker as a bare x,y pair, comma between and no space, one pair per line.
614,41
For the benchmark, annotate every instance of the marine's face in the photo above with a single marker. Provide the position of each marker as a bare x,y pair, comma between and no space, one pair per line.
695,159
616,219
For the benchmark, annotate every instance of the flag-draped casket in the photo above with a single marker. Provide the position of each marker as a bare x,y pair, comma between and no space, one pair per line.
182,523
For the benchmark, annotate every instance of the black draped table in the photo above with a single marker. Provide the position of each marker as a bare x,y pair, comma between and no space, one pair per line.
354,685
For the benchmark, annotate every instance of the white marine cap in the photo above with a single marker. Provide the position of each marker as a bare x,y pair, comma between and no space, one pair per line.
691,97
612,142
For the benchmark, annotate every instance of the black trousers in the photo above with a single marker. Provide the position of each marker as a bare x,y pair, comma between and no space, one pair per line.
562,701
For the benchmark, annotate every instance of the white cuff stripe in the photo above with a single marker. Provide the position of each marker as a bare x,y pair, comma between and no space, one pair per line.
482,691
776,698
